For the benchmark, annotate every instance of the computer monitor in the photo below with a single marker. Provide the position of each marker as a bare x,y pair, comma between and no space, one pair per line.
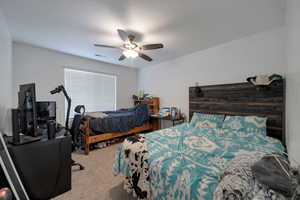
27,106
46,110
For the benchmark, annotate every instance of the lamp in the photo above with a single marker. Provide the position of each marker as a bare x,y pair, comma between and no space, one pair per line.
59,89
129,53
5,194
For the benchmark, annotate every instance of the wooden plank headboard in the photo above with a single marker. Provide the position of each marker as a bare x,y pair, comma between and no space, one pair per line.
243,99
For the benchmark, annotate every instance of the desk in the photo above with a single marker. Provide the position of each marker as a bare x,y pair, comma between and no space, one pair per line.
157,121
44,166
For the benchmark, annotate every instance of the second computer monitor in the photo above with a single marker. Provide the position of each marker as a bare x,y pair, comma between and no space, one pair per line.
46,110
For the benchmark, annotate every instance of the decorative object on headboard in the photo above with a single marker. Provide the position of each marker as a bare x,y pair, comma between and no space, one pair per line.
264,80
195,91
245,100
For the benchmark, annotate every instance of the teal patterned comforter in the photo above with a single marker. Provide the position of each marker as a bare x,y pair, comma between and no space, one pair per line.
185,161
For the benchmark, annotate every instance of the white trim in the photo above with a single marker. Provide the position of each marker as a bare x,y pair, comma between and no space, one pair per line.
89,70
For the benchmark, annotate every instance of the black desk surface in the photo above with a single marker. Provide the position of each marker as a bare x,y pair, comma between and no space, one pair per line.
44,166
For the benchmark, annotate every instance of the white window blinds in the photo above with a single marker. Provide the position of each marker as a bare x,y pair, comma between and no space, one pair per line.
96,91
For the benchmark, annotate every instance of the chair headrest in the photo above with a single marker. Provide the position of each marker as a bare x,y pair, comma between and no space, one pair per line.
80,109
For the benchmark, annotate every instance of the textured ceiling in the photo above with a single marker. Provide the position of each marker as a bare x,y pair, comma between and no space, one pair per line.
72,26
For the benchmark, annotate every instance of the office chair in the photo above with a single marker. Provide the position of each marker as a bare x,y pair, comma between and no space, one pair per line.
75,131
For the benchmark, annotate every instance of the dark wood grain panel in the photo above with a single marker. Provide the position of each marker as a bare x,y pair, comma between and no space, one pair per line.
269,109
243,99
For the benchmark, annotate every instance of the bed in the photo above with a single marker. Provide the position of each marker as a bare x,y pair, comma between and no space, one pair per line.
115,124
185,161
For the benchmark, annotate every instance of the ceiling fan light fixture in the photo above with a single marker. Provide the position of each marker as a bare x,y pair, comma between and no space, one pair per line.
130,45
130,53
130,48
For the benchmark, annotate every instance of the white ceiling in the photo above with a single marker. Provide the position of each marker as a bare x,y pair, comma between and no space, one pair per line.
183,26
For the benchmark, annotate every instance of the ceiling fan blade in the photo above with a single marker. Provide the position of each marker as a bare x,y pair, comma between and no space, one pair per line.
106,46
122,57
144,56
151,46
123,35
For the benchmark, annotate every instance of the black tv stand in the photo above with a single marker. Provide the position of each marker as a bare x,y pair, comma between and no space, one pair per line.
44,166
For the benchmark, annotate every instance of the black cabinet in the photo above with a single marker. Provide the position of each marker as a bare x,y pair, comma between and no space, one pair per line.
44,166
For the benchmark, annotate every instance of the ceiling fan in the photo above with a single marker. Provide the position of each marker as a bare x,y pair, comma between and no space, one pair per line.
130,48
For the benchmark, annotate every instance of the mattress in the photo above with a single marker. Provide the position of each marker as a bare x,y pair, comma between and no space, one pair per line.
185,162
121,120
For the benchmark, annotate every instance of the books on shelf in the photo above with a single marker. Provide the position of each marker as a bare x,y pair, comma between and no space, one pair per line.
172,112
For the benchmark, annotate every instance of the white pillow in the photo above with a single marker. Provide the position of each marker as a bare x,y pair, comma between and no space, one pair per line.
96,114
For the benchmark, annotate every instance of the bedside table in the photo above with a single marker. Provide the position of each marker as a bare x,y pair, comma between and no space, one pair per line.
178,121
157,121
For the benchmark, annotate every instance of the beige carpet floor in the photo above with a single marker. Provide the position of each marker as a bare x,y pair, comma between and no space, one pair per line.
96,182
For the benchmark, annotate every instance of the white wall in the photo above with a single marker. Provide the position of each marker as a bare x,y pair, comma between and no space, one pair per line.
228,63
293,77
45,68
5,76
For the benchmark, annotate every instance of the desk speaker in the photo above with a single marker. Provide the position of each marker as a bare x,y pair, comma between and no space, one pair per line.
16,125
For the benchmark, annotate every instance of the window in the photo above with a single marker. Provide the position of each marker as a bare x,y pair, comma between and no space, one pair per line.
96,91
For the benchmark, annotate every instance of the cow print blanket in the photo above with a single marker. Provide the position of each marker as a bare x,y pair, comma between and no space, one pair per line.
136,157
